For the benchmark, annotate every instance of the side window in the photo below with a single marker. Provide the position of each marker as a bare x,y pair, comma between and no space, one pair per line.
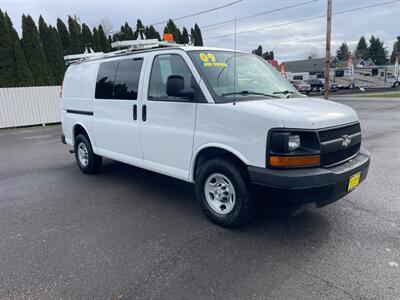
127,79
164,66
105,80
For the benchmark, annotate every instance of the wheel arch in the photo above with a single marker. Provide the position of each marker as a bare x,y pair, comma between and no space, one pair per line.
213,150
79,128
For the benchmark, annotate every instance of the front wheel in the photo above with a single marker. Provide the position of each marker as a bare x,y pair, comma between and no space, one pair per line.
223,193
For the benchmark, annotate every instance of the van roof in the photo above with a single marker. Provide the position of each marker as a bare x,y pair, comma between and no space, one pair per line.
186,48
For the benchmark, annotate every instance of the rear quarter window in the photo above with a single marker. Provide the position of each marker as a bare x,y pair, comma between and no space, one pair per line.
119,79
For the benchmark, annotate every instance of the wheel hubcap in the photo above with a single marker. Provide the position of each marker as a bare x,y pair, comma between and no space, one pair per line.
83,154
220,193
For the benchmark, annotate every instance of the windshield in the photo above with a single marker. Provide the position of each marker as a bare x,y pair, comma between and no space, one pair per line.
251,78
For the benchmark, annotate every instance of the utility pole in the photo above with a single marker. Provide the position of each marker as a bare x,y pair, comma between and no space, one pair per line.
328,49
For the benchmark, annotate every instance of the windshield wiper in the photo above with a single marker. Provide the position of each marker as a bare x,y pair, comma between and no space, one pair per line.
245,93
285,92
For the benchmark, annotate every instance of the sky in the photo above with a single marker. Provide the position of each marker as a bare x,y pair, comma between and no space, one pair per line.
289,42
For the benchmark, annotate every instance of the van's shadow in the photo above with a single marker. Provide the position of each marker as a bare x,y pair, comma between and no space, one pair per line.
294,221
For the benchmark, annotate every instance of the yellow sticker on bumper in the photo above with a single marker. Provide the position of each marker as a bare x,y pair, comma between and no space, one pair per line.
354,181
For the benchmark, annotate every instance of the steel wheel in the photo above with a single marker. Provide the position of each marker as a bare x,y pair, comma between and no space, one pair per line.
220,193
83,155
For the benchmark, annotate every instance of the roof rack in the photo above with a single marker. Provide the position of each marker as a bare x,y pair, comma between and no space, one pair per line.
122,46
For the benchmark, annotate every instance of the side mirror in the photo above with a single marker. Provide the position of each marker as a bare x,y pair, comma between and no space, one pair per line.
176,87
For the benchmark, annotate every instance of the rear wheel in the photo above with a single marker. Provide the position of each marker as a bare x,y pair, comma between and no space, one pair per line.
223,193
87,161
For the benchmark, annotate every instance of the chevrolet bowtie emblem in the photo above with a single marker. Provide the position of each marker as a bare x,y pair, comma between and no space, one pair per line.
346,140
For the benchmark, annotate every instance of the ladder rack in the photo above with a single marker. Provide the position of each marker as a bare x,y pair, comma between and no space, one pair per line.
122,46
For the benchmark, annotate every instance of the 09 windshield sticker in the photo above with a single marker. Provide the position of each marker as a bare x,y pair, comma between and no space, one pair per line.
209,60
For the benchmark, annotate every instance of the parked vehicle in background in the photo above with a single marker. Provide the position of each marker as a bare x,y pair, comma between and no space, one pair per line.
317,85
301,86
220,119
392,80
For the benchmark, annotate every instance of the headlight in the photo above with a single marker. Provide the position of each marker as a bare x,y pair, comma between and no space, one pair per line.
290,149
293,142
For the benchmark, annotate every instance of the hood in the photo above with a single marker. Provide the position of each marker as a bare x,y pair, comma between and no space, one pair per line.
307,113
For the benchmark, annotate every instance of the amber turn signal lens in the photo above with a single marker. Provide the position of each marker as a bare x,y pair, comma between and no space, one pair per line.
294,161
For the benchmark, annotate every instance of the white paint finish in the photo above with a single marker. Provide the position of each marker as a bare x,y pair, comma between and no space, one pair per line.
175,133
167,134
29,106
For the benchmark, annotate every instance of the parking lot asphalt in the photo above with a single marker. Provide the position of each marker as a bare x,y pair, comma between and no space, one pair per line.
127,233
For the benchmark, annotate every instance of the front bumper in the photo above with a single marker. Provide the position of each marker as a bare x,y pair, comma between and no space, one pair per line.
319,185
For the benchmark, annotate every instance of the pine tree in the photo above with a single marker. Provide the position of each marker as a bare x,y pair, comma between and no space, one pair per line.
75,35
377,52
361,49
33,50
268,55
199,38
104,44
87,38
396,50
176,33
7,63
343,53
96,40
64,36
151,33
185,36
139,30
23,76
47,43
127,32
56,58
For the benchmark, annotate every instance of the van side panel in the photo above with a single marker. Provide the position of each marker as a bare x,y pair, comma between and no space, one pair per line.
77,99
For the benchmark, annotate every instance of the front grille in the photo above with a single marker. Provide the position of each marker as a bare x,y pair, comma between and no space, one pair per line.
331,158
338,153
337,133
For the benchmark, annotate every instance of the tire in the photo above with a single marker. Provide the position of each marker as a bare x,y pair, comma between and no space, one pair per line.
87,161
223,178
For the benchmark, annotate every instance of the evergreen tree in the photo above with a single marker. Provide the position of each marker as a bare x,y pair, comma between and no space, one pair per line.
152,33
139,30
198,36
258,51
185,36
268,55
343,53
7,69
96,40
56,57
33,50
64,36
396,50
126,32
75,35
23,76
361,49
377,52
87,38
47,43
176,33
104,44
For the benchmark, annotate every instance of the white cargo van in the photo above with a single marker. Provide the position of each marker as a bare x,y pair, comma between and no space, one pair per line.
221,119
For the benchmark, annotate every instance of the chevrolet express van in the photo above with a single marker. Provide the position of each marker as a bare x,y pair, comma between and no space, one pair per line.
224,120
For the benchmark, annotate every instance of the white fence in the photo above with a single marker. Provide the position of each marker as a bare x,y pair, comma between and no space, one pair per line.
29,106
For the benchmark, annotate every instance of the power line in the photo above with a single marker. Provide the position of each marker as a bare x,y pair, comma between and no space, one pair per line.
303,20
198,13
257,15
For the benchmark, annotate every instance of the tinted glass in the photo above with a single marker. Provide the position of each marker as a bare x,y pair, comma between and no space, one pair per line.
163,67
127,79
105,80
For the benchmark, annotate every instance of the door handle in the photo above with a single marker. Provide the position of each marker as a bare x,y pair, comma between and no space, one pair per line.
144,113
134,112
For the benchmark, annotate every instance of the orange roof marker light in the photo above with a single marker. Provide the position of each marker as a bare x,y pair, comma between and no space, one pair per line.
168,37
